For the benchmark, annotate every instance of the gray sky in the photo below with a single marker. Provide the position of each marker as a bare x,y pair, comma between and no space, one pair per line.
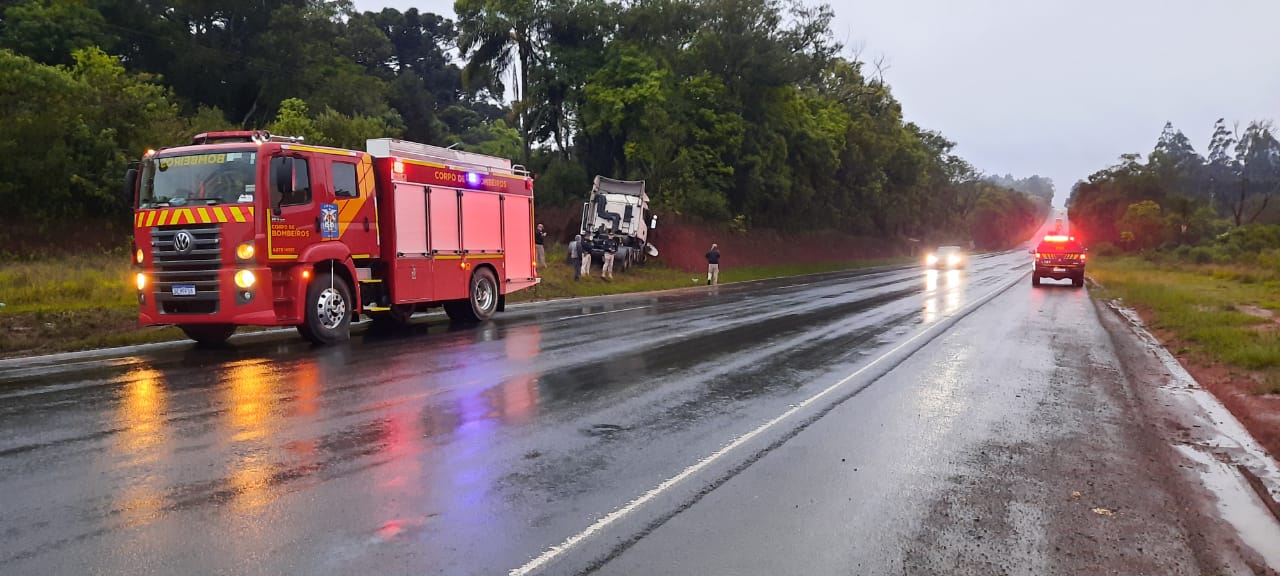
1060,88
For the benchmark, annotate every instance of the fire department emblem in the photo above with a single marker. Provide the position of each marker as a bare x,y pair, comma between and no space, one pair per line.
328,220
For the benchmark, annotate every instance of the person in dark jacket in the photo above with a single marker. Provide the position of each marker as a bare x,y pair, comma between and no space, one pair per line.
713,265
539,240
610,249
585,247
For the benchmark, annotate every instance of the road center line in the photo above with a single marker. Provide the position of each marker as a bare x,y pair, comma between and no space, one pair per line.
555,551
599,313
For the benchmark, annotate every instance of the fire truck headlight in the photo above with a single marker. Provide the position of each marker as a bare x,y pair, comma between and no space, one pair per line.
142,281
953,260
245,279
931,259
245,251
137,256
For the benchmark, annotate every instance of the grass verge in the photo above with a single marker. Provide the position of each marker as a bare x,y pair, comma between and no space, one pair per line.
1207,314
1221,324
86,302
558,282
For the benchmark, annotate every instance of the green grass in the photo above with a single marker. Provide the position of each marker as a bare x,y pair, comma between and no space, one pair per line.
66,284
558,282
86,302
1197,305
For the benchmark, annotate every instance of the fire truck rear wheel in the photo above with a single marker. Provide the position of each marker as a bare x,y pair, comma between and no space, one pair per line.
208,334
1035,279
482,301
328,310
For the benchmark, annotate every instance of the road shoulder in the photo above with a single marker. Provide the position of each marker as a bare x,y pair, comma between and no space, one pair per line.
1236,483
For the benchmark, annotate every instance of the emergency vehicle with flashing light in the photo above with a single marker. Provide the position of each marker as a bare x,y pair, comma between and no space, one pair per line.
247,228
1060,258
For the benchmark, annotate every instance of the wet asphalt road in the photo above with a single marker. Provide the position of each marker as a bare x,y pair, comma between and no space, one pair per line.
871,411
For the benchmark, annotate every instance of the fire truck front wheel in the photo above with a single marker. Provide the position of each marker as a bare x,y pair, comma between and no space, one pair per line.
482,302
208,334
328,310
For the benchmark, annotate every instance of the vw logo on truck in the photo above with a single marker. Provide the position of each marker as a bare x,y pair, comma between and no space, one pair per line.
183,242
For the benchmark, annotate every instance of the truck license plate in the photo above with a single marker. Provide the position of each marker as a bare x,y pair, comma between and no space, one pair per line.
184,290
1055,270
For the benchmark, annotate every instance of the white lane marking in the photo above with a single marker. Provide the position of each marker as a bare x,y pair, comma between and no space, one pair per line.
631,506
599,313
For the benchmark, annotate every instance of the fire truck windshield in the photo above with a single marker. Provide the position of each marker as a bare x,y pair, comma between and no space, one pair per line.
226,177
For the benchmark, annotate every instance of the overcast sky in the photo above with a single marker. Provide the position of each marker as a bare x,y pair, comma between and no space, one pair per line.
1060,88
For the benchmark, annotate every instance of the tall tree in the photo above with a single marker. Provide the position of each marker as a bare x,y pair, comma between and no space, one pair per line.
497,37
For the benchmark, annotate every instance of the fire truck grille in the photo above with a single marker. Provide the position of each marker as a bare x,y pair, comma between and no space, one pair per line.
186,269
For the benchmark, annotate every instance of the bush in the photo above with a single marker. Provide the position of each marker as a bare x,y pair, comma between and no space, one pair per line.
1269,259
1201,254
1105,249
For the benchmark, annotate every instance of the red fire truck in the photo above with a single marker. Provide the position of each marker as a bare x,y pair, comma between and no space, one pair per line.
246,228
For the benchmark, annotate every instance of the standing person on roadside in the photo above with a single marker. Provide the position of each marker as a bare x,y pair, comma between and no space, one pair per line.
539,238
610,249
585,246
713,265
575,256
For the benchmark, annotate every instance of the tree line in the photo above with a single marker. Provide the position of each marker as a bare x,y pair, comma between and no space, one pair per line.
1178,199
734,111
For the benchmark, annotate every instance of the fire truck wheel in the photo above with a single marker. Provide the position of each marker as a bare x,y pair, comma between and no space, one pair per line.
208,334
1035,279
328,310
481,304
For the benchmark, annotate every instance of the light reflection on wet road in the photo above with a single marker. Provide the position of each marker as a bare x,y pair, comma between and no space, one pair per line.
435,449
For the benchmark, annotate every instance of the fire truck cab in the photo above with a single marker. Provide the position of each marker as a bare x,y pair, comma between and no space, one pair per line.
247,228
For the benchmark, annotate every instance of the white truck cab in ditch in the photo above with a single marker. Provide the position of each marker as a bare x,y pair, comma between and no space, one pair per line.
621,208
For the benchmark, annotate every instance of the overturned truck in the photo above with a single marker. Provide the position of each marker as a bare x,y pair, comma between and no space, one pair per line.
620,208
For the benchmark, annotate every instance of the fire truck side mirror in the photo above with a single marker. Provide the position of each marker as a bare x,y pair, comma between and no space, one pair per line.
282,181
653,222
130,184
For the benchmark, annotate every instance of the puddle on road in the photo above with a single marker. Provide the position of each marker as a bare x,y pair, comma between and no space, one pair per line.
1238,504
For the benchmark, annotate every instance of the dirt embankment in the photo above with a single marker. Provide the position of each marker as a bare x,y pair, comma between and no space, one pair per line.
683,243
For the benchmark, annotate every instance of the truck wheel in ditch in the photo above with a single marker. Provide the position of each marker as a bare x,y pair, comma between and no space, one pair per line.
482,302
1035,279
327,313
397,317
208,334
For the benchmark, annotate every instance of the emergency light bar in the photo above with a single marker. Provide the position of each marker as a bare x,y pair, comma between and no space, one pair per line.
1054,238
454,159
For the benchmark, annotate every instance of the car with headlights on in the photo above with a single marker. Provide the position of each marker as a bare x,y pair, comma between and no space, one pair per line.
945,257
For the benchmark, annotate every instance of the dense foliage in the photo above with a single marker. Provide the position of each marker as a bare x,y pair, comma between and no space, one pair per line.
1215,207
736,111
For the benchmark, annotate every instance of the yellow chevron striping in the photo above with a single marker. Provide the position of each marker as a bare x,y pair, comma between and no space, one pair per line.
164,218
220,215
151,218
204,215
237,214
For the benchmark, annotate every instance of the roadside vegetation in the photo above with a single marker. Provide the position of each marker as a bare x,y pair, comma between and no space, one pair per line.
1209,314
744,114
1192,242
